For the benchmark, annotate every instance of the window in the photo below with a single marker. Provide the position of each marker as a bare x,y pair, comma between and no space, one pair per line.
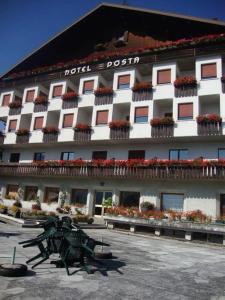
164,76
12,125
88,86
221,153
123,82
178,154
79,196
67,120
141,114
51,194
12,191
128,199
38,156
57,91
6,100
38,123
67,155
136,154
102,117
99,155
30,193
208,71
185,111
30,96
172,202
14,157
168,114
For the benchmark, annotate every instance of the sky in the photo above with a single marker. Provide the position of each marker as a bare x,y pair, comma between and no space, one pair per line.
26,24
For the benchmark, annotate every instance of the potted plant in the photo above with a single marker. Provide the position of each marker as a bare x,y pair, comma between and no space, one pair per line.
50,129
82,127
70,96
15,104
142,86
103,91
185,81
208,118
162,121
22,131
115,124
41,100
146,206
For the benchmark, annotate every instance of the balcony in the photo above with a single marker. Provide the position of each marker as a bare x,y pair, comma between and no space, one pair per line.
177,171
103,96
188,91
14,111
71,103
162,131
22,139
119,133
50,137
82,135
2,137
40,107
212,128
142,91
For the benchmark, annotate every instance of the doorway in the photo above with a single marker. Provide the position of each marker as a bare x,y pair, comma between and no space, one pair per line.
100,196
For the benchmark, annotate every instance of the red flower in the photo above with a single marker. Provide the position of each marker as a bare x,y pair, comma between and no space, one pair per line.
142,86
208,118
22,131
162,121
15,104
70,95
41,100
50,129
103,91
185,81
82,127
119,124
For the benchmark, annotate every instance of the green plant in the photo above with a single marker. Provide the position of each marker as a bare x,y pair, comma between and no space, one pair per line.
145,206
17,204
107,202
3,208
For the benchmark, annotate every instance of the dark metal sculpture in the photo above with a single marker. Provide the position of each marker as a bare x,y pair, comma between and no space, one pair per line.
71,243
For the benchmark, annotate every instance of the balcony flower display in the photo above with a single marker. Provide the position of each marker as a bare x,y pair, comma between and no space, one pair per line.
142,86
41,100
162,121
70,96
185,81
116,124
82,127
208,118
50,129
161,46
103,91
22,131
15,104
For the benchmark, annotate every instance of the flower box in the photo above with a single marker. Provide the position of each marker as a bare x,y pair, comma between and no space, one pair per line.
82,127
50,129
162,121
41,100
209,118
142,86
70,96
15,104
103,91
21,132
185,81
116,124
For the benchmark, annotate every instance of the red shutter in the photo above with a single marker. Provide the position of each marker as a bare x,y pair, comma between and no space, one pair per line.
68,120
30,96
124,79
141,111
102,117
57,91
164,76
88,85
38,123
185,110
6,100
208,70
12,124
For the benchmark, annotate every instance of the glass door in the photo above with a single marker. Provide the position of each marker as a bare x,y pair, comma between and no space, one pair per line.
100,196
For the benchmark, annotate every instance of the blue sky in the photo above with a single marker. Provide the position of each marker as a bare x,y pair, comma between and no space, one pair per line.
27,24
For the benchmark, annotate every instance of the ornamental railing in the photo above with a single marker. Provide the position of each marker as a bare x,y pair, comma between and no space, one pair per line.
50,137
103,99
82,135
15,111
71,103
186,91
22,139
178,172
40,107
142,95
212,128
119,133
161,131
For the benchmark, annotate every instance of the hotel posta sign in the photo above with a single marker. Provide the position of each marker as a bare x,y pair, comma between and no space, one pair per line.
103,66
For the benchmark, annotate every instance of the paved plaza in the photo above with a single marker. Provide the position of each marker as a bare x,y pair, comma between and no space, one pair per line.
143,268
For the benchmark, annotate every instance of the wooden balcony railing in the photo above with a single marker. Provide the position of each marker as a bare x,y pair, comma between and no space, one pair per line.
119,133
82,135
103,99
142,95
188,91
40,107
22,139
50,137
72,103
160,131
178,172
15,111
212,128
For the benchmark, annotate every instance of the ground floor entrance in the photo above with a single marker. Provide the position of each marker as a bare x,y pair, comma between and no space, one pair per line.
100,197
